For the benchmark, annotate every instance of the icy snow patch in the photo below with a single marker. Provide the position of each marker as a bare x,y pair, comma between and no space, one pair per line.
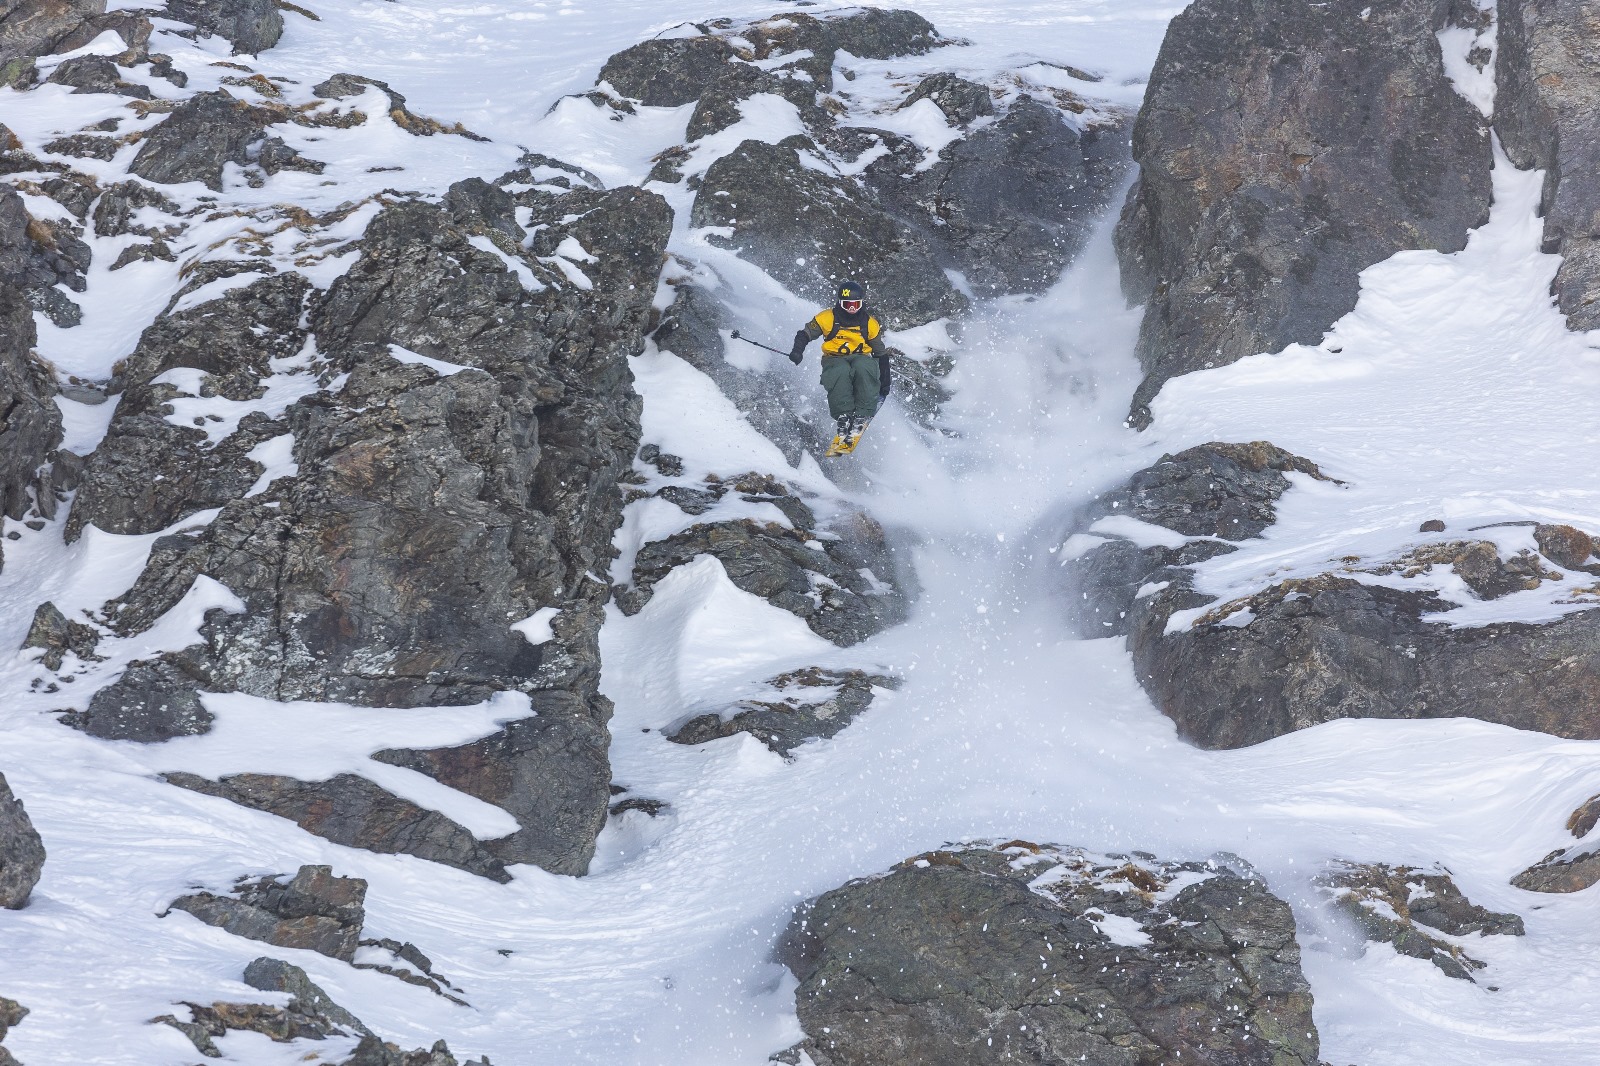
535,628
1144,534
438,366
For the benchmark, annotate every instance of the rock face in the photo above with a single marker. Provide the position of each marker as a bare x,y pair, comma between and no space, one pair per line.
34,27
813,704
30,427
21,851
1219,491
1281,153
1006,205
1318,649
310,1014
194,143
1045,955
313,910
1388,904
804,226
1562,871
252,25
426,511
825,582
1547,113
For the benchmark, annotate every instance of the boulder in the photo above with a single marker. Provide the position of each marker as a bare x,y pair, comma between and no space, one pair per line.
1282,151
199,138
962,101
1014,201
1221,492
1312,650
1563,870
810,229
1547,99
96,74
314,910
32,27
1388,904
252,25
57,635
812,704
351,810
1034,954
825,582
21,851
11,1013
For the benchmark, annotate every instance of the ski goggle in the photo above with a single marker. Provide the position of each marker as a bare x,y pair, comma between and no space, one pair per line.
850,305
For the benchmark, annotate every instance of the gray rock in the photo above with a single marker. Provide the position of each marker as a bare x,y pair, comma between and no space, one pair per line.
790,721
95,74
57,635
809,230
1013,202
149,472
1228,492
314,910
1547,113
32,27
351,810
21,851
1265,188
824,586
114,211
1561,871
153,701
961,101
955,958
1583,820
202,135
252,25
11,1014
667,73
1328,647
550,772
430,512
30,428
718,104
1388,904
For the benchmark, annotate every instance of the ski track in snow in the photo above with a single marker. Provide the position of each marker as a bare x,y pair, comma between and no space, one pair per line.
1451,391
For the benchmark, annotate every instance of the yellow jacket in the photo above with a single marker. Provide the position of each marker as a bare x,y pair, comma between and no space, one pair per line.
857,334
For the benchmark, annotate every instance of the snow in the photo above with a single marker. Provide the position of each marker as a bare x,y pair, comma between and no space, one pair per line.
1451,391
438,366
536,627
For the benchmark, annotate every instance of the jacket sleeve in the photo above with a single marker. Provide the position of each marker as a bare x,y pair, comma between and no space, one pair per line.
880,348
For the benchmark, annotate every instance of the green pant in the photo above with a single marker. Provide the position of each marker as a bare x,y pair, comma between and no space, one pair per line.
852,384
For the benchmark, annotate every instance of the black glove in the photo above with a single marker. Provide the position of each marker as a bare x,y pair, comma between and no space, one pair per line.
795,356
883,377
798,351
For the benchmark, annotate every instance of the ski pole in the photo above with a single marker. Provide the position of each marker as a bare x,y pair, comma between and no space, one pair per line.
758,344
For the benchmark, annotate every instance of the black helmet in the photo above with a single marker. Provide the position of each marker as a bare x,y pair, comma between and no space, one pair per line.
852,290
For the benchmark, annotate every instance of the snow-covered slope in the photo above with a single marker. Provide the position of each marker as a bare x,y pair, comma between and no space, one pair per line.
1451,391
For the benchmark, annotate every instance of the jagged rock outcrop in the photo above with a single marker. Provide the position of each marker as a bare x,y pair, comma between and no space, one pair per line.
348,809
30,423
1211,494
11,1014
463,476
1388,904
1011,203
1313,650
151,470
57,636
310,1014
1547,113
252,25
842,586
1568,869
21,851
669,72
34,27
810,229
811,704
314,910
1048,955
201,136
1282,151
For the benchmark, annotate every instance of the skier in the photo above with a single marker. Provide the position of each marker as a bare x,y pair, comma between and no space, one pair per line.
855,363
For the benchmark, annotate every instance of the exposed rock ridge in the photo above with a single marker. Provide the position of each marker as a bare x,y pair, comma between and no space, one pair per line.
1282,151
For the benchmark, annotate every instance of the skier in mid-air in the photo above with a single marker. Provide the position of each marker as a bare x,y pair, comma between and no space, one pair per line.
855,363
